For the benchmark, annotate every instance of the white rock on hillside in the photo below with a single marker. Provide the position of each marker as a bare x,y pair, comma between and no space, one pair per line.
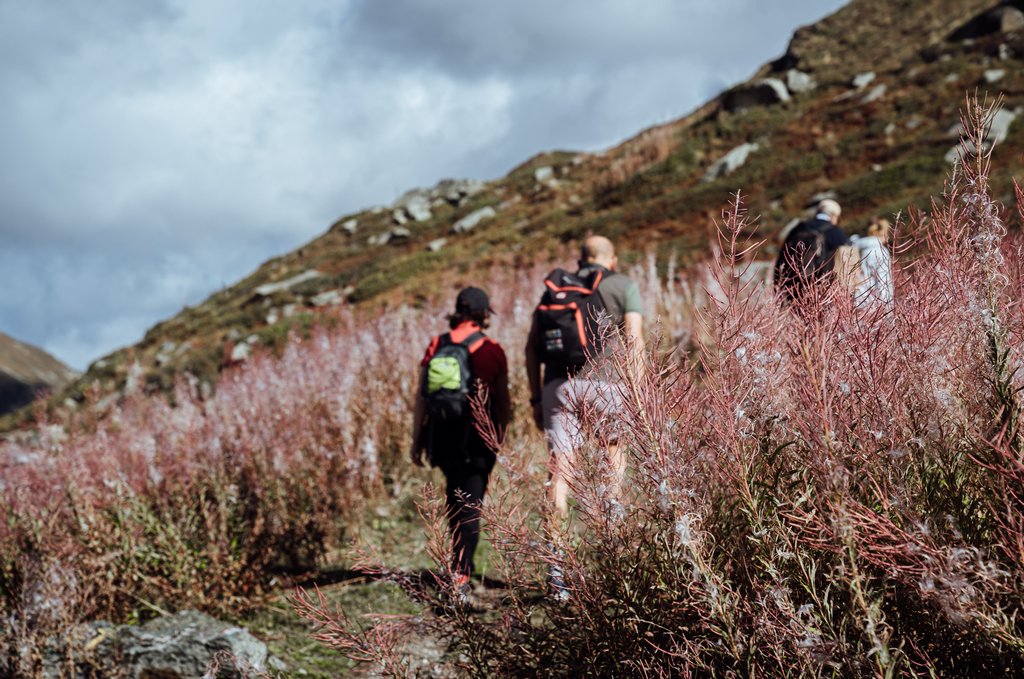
437,244
544,174
730,162
471,220
416,204
862,80
350,226
328,298
270,288
876,93
994,75
799,82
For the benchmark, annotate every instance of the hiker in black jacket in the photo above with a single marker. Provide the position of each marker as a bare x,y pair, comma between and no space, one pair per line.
808,253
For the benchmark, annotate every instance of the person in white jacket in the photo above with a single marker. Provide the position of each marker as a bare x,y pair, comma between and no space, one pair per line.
875,286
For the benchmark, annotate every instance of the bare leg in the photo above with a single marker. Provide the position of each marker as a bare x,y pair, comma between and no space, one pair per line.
558,489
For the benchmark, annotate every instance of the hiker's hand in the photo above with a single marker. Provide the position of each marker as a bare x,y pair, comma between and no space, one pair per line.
538,416
416,453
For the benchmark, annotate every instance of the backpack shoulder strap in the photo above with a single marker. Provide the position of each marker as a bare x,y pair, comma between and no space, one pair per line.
472,339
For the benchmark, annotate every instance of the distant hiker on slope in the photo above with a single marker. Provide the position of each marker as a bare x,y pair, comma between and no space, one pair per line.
577,317
875,281
454,367
807,257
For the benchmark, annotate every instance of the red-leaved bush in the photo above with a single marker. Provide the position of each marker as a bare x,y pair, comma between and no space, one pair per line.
828,490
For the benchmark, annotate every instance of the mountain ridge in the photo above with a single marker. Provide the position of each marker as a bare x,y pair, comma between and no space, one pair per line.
26,371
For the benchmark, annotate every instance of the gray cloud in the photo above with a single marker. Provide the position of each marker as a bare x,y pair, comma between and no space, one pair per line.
151,153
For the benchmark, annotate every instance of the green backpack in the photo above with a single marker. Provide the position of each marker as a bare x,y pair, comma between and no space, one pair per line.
448,381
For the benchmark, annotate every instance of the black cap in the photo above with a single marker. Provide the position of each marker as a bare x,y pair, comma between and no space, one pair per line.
472,301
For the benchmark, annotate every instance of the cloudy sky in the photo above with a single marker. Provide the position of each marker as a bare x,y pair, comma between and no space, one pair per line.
154,152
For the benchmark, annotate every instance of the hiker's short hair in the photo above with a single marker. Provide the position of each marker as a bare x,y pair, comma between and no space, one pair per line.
830,208
596,249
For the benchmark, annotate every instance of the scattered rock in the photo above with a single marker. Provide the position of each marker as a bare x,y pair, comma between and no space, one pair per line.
273,316
436,244
181,646
951,78
798,82
456,191
543,174
862,80
398,216
1004,19
876,93
415,204
350,226
994,75
875,167
241,352
328,298
270,288
915,123
379,239
890,129
471,220
1004,52
730,162
400,233
764,92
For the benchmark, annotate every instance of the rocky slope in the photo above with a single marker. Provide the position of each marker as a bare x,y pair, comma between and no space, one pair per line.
862,106
26,371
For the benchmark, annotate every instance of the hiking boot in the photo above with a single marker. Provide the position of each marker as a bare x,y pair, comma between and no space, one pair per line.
462,588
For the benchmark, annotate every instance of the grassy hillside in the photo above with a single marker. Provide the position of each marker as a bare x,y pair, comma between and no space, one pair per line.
879,148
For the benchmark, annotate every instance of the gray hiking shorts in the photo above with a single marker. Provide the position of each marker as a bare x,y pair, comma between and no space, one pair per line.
565,402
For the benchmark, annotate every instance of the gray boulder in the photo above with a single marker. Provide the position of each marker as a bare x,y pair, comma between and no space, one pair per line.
413,205
400,233
798,82
349,226
730,162
456,191
437,244
764,92
181,646
544,174
470,221
1004,19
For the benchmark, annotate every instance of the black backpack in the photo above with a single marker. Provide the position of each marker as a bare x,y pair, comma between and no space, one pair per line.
448,381
804,258
567,320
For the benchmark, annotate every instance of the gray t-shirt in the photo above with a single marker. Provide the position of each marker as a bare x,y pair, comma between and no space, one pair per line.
619,293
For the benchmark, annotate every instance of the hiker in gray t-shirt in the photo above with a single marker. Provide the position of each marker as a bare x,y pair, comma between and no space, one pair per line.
560,395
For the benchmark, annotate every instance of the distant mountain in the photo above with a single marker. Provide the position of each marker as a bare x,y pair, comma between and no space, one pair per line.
26,371
863,106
